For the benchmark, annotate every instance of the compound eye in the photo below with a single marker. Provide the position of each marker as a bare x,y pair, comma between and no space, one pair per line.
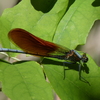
84,58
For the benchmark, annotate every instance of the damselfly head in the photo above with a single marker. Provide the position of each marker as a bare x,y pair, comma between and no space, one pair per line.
84,58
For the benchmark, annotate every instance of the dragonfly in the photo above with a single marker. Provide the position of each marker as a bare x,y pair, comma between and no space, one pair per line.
31,44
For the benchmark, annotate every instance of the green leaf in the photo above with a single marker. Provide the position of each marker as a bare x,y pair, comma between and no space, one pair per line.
24,81
74,27
71,87
71,32
25,16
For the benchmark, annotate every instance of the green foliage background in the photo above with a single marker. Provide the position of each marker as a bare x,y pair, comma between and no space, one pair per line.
66,23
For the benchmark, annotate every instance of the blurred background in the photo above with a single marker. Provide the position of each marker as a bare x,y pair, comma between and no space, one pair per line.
92,46
7,4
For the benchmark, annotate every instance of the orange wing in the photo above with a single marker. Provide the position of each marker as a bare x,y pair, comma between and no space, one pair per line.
32,44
